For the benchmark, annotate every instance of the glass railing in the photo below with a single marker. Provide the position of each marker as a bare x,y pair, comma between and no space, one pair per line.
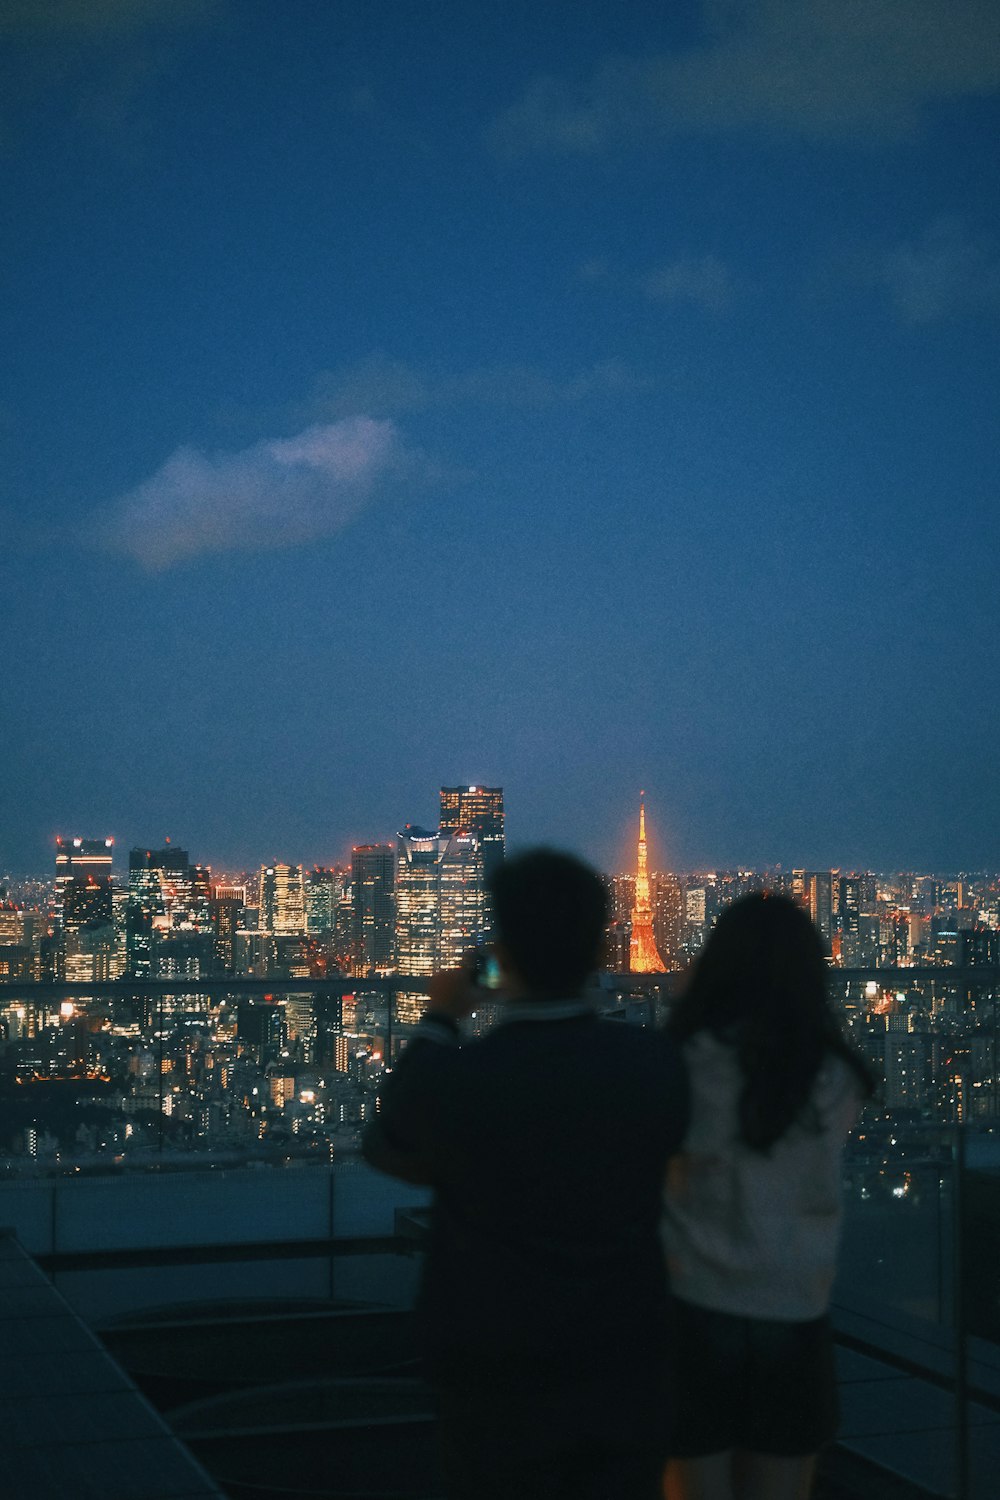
266,1314
915,1305
119,1245
114,1097
169,1263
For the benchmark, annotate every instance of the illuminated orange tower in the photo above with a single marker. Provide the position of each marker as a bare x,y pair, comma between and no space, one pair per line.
643,955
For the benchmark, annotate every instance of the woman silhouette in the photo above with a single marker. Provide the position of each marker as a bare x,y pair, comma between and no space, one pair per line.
753,1207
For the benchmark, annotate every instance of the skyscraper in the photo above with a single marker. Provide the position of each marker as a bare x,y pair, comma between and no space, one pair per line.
83,881
462,899
145,908
228,903
373,899
813,889
668,917
159,899
282,899
87,902
199,912
323,890
440,900
477,810
418,899
643,954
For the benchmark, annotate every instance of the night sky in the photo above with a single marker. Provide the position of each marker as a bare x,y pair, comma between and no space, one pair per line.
577,397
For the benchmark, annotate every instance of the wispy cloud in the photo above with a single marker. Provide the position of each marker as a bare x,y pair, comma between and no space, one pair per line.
946,270
382,386
278,493
820,68
705,281
98,57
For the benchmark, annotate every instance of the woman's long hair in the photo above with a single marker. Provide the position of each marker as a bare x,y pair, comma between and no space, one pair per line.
760,985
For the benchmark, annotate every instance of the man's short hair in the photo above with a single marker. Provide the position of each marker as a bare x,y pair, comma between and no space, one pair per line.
549,911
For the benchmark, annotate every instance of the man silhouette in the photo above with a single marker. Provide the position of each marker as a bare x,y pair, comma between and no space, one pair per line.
544,1299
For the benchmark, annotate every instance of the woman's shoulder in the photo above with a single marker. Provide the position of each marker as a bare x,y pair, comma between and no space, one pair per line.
715,1078
706,1053
708,1046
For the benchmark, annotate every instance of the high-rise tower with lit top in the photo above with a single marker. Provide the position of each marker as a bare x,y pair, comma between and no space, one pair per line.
477,810
644,957
83,881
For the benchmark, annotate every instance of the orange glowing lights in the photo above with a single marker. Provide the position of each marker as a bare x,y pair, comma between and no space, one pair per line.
644,957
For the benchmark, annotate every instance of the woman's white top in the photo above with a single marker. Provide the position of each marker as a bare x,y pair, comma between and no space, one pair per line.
755,1233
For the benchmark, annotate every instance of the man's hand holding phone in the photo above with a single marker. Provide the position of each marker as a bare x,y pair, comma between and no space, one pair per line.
455,993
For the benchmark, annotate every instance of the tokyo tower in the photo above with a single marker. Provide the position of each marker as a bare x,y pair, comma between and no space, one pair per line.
643,955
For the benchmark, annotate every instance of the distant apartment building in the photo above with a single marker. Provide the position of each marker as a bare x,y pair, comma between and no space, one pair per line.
906,1070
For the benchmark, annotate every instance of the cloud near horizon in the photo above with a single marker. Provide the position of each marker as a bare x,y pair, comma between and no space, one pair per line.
277,493
825,69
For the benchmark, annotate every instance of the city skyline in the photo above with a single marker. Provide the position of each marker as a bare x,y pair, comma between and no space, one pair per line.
341,859
575,398
255,1012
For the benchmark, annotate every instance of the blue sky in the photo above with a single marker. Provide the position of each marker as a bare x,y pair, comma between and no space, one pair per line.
575,397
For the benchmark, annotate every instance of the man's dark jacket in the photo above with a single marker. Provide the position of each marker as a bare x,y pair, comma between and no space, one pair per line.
546,1143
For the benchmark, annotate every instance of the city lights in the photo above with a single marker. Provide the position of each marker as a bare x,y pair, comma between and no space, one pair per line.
183,1009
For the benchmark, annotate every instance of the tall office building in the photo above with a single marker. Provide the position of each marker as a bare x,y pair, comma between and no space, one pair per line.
477,810
159,900
850,909
176,884
643,952
83,881
418,899
227,906
282,899
323,890
463,898
668,917
261,1028
813,889
440,899
85,949
199,912
373,899
621,897
144,909
87,901
13,920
